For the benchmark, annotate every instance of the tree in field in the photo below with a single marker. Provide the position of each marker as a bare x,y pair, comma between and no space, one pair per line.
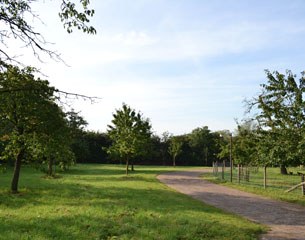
17,26
29,112
51,144
245,144
130,132
281,118
175,148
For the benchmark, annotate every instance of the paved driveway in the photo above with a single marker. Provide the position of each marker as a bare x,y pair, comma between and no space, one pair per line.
286,220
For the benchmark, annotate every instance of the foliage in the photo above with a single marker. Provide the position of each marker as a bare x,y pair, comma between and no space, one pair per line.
175,148
130,133
204,145
89,147
224,143
14,16
34,122
99,202
281,118
245,144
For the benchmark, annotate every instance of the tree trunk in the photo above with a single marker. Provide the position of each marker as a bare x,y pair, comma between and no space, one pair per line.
50,167
15,180
132,166
127,166
174,161
284,170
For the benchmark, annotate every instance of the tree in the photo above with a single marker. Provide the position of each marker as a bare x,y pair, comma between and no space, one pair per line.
16,25
52,141
28,109
130,132
175,148
245,144
224,144
281,118
203,143
76,125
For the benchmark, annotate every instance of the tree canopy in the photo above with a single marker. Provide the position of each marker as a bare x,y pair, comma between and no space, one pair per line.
33,125
130,133
281,118
17,26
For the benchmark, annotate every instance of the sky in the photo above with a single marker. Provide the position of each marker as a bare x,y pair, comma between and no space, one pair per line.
182,63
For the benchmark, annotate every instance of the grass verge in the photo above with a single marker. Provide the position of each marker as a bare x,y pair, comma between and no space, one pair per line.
276,184
100,202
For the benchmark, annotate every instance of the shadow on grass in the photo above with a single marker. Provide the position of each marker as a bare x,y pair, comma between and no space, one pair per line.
100,169
99,202
121,225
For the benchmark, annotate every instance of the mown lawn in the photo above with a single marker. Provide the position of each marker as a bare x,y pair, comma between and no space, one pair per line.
277,183
100,202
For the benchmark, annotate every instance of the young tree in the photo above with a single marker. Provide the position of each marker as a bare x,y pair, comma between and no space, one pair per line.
129,132
175,148
16,25
281,117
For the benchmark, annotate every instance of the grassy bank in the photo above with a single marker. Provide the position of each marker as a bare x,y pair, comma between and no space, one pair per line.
277,183
100,202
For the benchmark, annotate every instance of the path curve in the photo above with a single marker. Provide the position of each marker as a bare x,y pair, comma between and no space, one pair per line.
286,220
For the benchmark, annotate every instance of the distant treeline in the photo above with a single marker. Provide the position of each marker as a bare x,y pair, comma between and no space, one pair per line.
198,148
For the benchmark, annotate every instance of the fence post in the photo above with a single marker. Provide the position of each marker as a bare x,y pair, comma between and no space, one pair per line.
265,177
223,171
303,186
238,173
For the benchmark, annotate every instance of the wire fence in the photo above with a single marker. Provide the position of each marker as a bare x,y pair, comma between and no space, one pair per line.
260,178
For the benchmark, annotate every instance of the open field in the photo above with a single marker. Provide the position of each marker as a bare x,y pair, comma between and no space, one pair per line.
100,202
277,183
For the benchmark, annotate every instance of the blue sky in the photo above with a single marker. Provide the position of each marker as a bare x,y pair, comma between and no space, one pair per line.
182,63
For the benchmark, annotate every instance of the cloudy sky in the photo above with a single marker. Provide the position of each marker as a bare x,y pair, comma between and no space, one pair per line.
182,63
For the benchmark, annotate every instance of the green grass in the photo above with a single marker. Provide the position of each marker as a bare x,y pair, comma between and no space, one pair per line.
100,202
277,184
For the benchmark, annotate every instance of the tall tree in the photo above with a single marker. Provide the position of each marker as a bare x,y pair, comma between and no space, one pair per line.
16,25
25,106
129,132
281,117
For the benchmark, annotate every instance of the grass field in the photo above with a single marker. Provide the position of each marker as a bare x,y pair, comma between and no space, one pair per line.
100,202
277,183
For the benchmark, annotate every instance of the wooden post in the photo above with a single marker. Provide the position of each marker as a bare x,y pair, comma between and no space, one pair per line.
213,168
231,160
224,168
303,186
238,173
265,177
223,171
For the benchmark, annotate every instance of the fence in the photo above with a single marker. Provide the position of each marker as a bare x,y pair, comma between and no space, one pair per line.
261,177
